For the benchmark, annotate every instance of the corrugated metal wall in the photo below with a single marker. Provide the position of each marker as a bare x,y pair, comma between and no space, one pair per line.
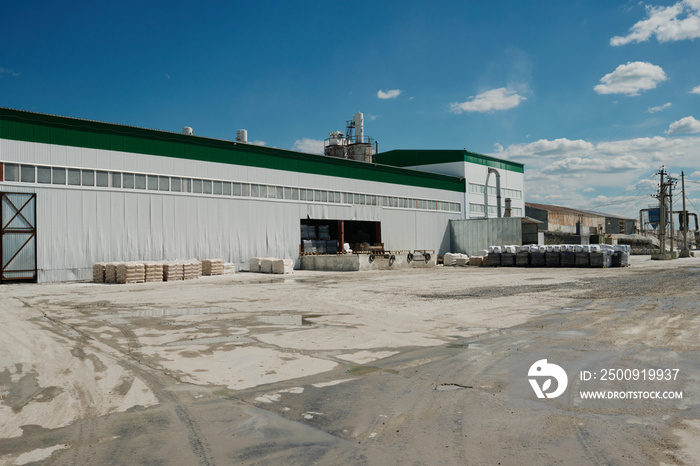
471,236
79,226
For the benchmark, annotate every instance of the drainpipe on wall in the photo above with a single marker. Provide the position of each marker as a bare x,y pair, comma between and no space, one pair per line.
498,191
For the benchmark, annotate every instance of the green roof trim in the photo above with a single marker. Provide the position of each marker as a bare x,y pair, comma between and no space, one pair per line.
26,126
413,158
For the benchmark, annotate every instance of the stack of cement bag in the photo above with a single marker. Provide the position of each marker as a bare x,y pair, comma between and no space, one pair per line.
131,272
111,272
98,272
154,271
192,269
212,267
173,271
229,268
270,265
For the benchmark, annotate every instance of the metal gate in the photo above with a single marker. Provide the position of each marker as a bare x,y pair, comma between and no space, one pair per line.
18,236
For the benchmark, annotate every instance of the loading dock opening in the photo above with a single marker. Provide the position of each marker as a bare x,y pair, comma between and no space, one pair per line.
329,236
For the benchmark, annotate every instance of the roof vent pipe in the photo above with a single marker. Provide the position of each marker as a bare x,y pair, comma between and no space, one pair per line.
242,135
188,131
498,190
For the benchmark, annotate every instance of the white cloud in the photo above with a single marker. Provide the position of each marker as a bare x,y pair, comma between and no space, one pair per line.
7,71
676,22
596,165
257,143
659,108
390,94
631,78
309,146
684,125
566,172
489,101
696,90
546,148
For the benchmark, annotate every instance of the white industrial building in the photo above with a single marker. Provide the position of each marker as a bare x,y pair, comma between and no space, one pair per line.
76,192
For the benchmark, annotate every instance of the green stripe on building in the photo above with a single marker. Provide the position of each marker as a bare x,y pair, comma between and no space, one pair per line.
414,158
25,126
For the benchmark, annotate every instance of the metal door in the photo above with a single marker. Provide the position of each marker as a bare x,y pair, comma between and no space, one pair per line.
18,236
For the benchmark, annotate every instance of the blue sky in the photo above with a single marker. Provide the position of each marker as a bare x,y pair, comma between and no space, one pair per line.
593,96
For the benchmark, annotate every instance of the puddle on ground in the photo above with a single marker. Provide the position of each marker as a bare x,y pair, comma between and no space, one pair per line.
212,340
284,319
448,387
179,312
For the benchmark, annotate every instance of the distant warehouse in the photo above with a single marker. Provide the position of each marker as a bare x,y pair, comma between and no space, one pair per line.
75,192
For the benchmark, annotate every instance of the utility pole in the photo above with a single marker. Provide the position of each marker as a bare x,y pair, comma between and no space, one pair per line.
671,184
684,214
662,212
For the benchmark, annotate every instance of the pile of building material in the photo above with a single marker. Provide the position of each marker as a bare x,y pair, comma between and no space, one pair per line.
270,265
173,271
192,269
154,271
477,261
98,272
565,255
212,267
131,272
111,272
140,272
455,259
229,268
254,264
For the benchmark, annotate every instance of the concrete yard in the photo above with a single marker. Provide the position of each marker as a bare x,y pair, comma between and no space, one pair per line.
413,366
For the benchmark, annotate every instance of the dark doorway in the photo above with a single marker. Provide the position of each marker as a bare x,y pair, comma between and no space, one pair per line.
329,236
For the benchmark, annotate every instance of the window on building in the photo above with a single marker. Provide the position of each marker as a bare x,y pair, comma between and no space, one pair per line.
197,186
140,181
28,173
163,183
43,175
58,175
11,172
102,179
295,194
175,184
88,177
476,209
476,188
226,188
74,177
153,182
217,188
116,180
207,186
129,180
